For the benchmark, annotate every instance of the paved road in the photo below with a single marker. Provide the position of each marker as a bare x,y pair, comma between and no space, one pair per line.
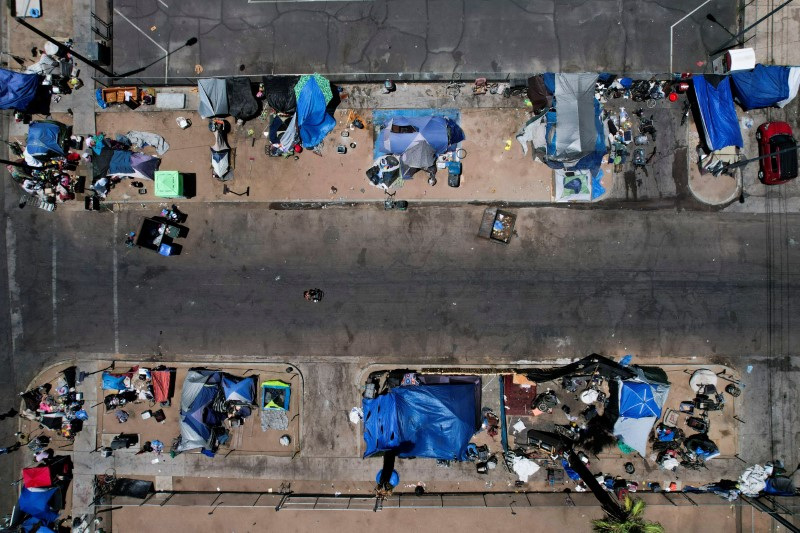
413,287
429,38
416,284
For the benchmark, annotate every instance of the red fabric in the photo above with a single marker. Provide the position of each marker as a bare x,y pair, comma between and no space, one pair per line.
161,381
37,476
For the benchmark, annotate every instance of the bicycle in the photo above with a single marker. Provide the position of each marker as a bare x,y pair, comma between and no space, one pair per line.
104,486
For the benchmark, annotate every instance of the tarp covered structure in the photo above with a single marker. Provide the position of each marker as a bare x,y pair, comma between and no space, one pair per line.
37,476
17,90
717,112
641,400
238,389
213,95
242,103
314,122
574,137
764,86
37,503
434,421
46,138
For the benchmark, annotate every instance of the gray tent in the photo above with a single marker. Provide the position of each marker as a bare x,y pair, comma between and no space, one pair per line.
419,155
576,125
213,94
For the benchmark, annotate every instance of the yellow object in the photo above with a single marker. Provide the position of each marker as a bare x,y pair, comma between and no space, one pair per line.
508,145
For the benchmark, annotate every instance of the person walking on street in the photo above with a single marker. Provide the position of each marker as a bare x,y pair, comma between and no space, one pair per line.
313,295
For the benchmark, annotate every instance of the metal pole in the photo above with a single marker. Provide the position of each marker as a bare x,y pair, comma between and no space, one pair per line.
63,48
750,27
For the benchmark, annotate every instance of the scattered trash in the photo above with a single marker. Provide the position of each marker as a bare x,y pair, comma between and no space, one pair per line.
183,122
285,440
356,415
749,369
519,426
524,468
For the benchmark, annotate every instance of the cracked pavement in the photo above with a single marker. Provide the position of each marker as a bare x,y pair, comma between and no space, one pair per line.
414,39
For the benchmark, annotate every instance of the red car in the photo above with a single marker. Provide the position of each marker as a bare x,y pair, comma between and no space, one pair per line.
774,137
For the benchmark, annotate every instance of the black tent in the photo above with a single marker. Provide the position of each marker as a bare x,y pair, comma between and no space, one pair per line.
242,103
280,93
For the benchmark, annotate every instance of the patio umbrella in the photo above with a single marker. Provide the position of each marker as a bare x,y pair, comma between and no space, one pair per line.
322,82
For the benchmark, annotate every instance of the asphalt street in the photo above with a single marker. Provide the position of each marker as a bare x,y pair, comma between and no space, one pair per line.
414,39
417,284
409,288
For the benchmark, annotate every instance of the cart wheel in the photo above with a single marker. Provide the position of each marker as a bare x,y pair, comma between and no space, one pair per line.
758,135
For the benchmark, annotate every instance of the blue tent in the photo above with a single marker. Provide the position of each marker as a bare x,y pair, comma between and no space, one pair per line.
239,389
441,133
37,503
636,400
312,118
717,112
764,86
17,90
199,390
434,421
45,139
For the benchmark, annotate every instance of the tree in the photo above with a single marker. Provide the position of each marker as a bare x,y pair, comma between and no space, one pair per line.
630,521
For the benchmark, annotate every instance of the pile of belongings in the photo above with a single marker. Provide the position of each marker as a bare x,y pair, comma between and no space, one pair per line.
46,160
57,408
137,385
114,159
212,402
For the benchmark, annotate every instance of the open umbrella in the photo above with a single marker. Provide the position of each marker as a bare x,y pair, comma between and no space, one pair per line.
322,82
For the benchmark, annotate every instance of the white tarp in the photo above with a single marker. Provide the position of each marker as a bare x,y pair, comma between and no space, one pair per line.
794,84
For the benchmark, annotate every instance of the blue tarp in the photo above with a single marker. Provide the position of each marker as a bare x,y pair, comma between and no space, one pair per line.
32,525
314,122
434,421
238,389
441,133
37,504
764,86
636,400
113,382
43,139
17,90
718,114
120,163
